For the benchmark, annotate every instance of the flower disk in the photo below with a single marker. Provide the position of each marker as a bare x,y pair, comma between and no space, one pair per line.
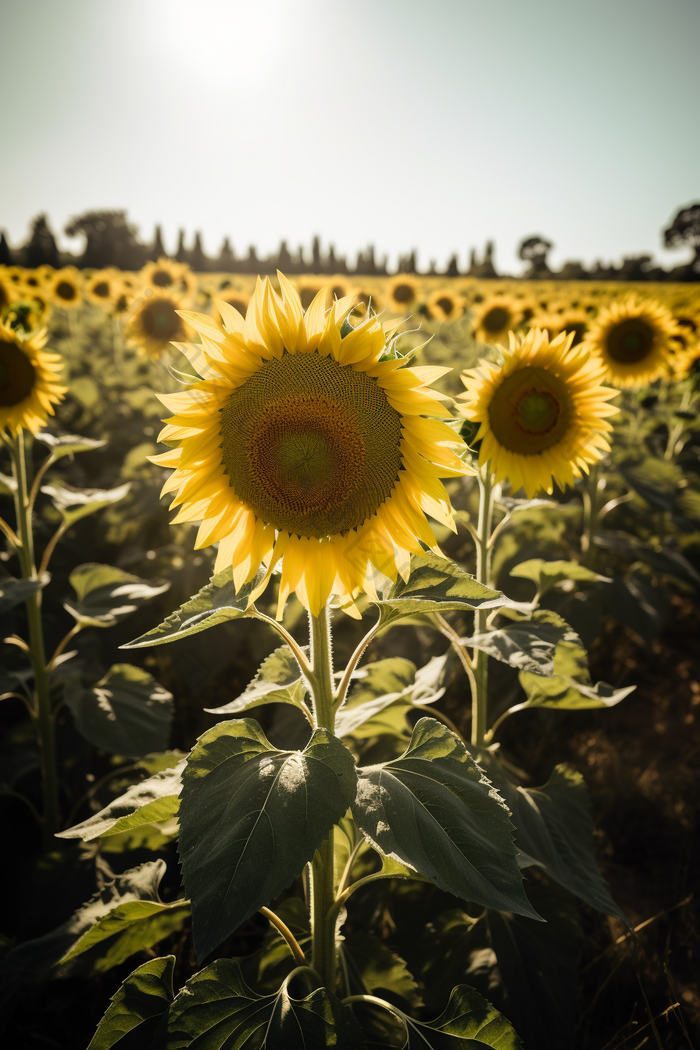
542,413
633,338
28,381
306,441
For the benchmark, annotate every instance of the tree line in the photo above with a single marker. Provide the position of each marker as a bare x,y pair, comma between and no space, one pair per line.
111,240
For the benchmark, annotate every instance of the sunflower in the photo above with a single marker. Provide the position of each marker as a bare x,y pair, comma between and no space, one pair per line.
233,297
104,288
542,412
66,288
402,292
301,443
8,290
308,288
366,300
29,386
169,277
495,317
338,288
155,322
443,305
632,337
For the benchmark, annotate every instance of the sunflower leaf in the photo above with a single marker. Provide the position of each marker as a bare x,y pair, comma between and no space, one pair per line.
105,594
529,645
74,504
130,927
14,592
469,1020
278,681
384,693
433,810
68,444
570,686
216,603
137,1008
256,811
547,574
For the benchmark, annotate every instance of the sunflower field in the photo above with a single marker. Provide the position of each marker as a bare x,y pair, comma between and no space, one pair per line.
350,681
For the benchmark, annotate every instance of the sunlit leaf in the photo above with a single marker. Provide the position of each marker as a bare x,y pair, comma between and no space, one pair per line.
278,681
529,645
105,594
68,444
14,592
74,504
127,929
547,574
137,1008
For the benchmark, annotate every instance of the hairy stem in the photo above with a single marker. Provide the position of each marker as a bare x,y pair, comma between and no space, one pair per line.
483,574
591,511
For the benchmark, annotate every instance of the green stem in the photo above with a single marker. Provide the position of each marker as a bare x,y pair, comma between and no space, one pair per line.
483,575
324,949
591,509
36,648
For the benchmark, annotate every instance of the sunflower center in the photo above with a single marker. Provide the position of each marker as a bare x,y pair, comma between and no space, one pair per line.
17,376
66,291
311,446
530,411
630,341
162,279
403,293
160,320
445,304
101,289
579,328
495,320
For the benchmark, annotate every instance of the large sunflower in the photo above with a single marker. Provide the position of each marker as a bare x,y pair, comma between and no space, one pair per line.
301,442
66,288
170,277
633,339
542,412
29,386
155,322
495,317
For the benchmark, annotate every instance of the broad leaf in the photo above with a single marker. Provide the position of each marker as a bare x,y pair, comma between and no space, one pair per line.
511,504
137,1008
74,504
468,1022
547,574
105,594
127,929
433,810
8,485
436,585
529,645
14,592
252,817
68,444
375,969
554,826
655,480
216,603
638,604
153,800
217,1010
384,693
570,686
127,712
663,560
278,681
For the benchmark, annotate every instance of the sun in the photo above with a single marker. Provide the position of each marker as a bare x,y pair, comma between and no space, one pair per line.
543,412
29,381
310,441
633,338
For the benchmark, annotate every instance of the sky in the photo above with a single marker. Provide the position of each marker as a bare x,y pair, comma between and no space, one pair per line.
428,124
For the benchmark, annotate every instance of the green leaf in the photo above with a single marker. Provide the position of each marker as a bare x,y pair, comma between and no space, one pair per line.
278,681
436,585
127,712
663,560
14,592
655,480
433,810
217,1010
547,574
216,603
638,604
375,969
554,826
251,817
468,1021
8,485
379,700
151,801
570,687
130,928
74,504
137,1008
68,444
511,505
529,645
105,594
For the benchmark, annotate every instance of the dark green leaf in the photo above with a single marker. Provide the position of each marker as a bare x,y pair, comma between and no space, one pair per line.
127,929
375,969
137,1008
547,574
653,479
638,604
251,817
529,645
217,1010
433,810
216,603
74,504
106,594
384,693
279,681
14,592
468,1022
126,712
67,444
153,800
663,560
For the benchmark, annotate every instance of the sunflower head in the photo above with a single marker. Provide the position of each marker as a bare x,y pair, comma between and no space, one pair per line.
543,412
104,288
495,317
445,305
169,277
402,293
234,297
29,386
632,337
154,323
67,288
308,440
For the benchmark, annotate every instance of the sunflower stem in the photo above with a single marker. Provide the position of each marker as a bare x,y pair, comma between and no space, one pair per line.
37,654
591,511
483,574
324,951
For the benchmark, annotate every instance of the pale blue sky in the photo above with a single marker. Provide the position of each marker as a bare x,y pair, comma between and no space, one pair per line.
426,123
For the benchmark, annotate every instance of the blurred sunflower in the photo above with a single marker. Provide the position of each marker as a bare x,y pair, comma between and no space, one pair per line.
45,273
66,288
632,337
28,312
8,290
402,292
542,412
104,288
338,288
366,300
495,317
308,288
154,323
29,386
168,276
576,321
14,275
301,443
233,297
444,305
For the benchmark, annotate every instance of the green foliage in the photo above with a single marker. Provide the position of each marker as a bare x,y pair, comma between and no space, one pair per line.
68,444
433,810
106,595
278,681
129,928
74,504
126,712
256,811
529,645
468,1021
384,693
136,1010
547,574
13,592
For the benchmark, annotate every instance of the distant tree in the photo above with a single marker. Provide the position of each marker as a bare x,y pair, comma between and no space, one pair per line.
5,255
284,261
635,268
472,262
452,267
316,262
535,250
408,263
486,268
182,255
41,248
334,263
110,240
198,260
157,250
227,258
252,264
573,270
684,231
